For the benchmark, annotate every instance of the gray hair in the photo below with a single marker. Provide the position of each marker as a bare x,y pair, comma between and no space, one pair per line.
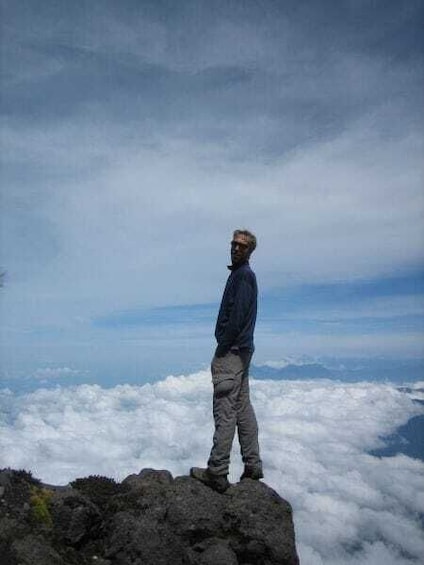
251,238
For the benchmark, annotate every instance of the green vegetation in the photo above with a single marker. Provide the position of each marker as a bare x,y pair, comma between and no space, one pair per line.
40,500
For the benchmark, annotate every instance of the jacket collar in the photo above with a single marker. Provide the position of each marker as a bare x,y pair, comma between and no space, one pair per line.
235,267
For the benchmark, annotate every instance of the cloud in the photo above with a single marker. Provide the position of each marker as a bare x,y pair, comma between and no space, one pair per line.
136,139
349,507
109,182
339,213
284,363
331,343
51,373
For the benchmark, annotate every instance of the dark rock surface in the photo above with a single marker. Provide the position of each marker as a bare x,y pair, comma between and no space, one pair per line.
148,519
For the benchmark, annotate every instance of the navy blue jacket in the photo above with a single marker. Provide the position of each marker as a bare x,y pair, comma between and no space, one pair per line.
237,313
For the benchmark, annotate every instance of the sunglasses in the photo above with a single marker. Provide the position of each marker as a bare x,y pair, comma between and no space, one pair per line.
235,244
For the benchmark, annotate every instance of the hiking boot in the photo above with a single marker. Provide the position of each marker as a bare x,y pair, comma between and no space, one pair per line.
219,483
254,473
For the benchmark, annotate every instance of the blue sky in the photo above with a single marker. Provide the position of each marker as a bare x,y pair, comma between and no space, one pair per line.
136,136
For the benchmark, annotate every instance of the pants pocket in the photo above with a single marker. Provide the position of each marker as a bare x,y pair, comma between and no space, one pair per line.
223,373
223,385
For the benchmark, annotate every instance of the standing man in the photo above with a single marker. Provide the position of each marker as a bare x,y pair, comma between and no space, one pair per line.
230,371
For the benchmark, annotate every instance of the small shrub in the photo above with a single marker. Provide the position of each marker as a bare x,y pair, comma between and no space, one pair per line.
40,500
96,486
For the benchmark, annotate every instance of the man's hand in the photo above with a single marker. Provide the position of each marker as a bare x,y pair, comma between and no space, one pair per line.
221,350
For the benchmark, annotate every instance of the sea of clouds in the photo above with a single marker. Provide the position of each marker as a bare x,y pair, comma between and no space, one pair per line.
350,508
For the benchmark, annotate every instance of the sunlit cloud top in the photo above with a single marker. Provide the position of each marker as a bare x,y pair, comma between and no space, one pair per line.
350,507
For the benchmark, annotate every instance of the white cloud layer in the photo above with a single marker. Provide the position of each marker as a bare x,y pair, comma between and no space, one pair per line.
350,508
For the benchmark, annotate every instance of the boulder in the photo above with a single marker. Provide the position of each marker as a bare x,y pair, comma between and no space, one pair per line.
150,518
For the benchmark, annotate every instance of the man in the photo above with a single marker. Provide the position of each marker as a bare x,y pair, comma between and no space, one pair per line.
230,370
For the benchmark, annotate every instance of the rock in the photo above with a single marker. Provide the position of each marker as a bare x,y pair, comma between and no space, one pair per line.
34,549
256,512
194,511
148,478
217,552
148,519
75,517
163,477
142,538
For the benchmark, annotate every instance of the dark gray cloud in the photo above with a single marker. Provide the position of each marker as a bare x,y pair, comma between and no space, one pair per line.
308,69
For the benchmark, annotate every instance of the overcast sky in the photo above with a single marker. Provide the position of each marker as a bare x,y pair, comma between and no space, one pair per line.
137,135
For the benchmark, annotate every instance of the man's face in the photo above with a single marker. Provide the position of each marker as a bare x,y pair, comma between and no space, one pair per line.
239,249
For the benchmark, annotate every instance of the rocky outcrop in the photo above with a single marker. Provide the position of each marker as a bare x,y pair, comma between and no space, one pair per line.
148,519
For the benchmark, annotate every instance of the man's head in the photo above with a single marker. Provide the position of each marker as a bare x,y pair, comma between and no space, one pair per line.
242,246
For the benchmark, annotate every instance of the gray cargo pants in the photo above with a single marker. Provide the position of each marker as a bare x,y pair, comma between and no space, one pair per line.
231,409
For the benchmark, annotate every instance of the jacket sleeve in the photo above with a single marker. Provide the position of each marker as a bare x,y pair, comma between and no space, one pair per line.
243,297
